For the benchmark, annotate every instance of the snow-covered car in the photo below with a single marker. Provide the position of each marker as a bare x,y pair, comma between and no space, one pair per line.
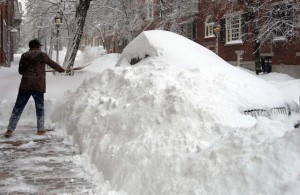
169,119
214,79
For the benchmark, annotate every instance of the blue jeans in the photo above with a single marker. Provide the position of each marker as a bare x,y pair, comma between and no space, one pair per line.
22,99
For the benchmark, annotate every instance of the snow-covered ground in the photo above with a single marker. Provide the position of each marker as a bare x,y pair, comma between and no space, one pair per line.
172,123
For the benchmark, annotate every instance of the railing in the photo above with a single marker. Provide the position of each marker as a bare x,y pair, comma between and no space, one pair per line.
268,113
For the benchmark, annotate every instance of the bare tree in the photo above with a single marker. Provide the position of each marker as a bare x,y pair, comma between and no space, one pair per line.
39,20
75,36
40,23
125,19
122,18
270,22
175,11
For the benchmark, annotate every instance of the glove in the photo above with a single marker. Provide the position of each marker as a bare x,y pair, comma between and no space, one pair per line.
61,70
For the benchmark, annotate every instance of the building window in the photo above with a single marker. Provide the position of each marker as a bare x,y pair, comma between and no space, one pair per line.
149,9
234,28
282,16
209,27
188,30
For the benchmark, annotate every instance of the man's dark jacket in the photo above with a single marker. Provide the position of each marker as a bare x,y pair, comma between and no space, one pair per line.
32,67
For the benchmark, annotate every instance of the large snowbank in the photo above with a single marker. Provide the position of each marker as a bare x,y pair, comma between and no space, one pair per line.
171,124
218,78
285,83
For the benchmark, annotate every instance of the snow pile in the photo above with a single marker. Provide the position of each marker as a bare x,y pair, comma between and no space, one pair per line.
291,87
171,124
87,55
276,77
285,83
217,77
101,63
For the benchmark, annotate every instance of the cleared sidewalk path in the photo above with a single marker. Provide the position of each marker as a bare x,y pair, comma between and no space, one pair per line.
31,164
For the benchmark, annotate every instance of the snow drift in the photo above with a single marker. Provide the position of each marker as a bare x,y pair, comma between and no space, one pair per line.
159,47
171,124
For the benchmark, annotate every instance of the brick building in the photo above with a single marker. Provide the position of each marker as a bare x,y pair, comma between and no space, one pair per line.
235,39
10,21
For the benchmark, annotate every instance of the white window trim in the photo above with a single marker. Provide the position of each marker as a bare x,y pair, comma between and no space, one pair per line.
229,40
235,42
210,25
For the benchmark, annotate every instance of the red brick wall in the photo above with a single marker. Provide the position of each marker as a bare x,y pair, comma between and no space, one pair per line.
283,54
286,54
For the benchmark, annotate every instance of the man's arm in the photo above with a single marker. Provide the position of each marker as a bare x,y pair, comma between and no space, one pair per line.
53,64
21,65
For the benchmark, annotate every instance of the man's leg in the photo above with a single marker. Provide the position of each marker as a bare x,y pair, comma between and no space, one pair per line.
22,99
40,111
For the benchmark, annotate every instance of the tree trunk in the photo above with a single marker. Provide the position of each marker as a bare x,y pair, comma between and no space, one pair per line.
253,18
74,42
256,46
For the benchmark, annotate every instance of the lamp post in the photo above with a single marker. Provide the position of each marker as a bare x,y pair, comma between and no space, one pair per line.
217,28
58,22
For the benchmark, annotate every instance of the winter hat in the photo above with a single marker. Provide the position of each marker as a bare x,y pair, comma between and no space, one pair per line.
34,44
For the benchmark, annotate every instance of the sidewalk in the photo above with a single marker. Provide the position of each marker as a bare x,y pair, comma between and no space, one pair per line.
32,164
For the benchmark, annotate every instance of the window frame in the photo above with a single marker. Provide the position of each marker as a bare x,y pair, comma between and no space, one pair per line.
187,30
230,29
209,27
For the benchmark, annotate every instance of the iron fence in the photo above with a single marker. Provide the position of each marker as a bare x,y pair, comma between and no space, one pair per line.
268,113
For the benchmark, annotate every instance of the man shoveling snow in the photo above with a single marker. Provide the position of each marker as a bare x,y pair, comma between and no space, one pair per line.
33,83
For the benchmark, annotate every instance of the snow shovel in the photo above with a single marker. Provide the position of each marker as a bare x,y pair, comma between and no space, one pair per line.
71,69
